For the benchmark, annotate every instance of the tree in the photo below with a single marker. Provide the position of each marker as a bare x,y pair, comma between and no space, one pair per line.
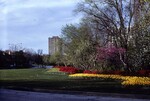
115,20
46,59
140,54
39,58
80,49
5,59
20,60
30,56
15,47
56,59
110,57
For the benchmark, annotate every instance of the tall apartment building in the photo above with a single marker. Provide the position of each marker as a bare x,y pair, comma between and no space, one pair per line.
54,45
138,5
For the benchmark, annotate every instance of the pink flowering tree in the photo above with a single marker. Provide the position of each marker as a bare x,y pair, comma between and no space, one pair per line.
111,56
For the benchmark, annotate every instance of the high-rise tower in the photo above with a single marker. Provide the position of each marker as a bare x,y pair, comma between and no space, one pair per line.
54,45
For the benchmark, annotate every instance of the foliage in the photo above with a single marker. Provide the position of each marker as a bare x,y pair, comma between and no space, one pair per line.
79,48
4,59
56,58
110,56
139,54
110,37
19,59
125,23
46,59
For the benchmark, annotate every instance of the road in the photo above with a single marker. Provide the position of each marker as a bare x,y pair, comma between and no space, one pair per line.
14,95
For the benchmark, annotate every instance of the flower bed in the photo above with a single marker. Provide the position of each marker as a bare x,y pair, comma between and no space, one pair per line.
73,70
68,69
124,73
126,80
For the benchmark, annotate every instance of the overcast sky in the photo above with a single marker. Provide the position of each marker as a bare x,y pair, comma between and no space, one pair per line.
30,22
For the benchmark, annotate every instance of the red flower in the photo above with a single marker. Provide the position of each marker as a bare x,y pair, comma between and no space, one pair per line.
70,70
87,71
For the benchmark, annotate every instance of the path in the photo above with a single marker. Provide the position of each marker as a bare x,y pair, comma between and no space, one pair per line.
14,95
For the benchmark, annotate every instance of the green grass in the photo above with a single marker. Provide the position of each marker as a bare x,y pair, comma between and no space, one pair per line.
31,74
55,80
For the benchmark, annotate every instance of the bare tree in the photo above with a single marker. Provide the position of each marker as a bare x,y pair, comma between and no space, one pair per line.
15,47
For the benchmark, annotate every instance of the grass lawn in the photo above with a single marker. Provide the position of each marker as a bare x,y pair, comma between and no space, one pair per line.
29,79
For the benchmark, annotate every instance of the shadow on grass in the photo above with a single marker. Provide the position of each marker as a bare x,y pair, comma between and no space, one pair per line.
76,85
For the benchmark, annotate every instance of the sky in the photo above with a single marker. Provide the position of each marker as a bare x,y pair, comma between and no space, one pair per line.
29,23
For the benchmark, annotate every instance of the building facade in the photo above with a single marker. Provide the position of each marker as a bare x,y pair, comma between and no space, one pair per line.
54,45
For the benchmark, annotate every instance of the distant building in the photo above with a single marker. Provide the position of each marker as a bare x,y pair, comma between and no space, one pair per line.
138,5
54,45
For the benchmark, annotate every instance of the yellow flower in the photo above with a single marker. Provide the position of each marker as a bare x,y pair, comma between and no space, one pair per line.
126,80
